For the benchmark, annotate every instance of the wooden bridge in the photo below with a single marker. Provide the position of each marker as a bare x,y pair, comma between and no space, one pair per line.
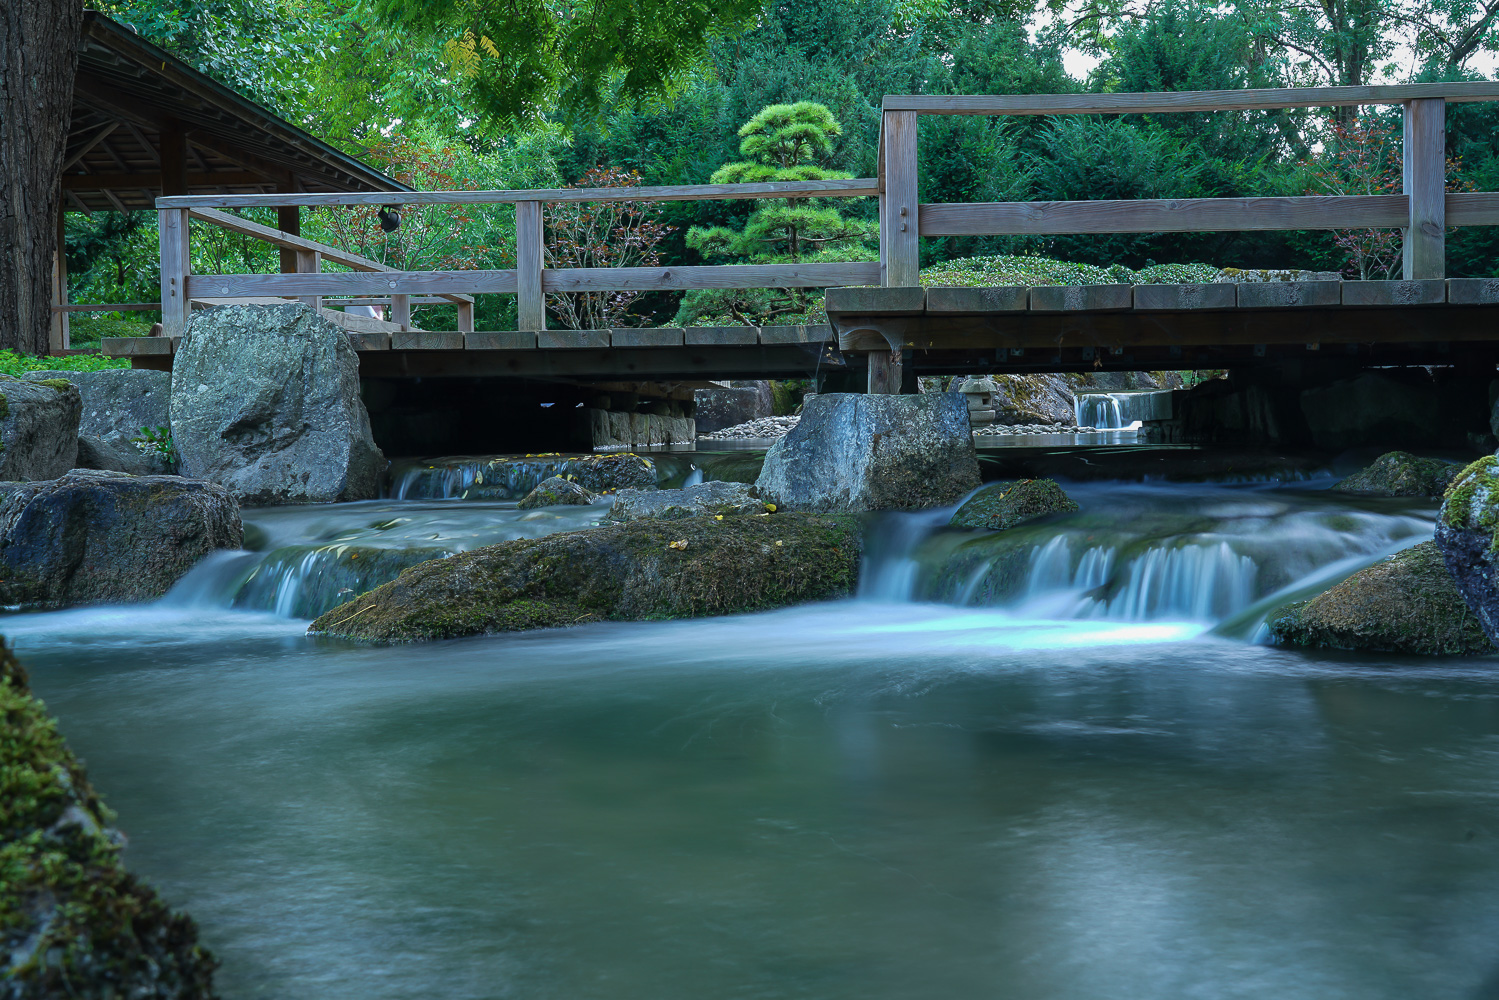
883,325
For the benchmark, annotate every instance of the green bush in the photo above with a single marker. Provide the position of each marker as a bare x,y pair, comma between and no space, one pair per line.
12,363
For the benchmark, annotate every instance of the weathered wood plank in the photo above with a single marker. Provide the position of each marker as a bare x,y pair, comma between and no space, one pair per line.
1288,294
900,243
1472,208
1010,298
572,340
647,337
350,284
861,187
1431,291
1423,181
426,340
1178,215
530,249
176,303
887,301
605,279
884,371
1473,291
501,340
1196,100
674,363
83,307
718,336
130,347
1073,298
813,334
370,341
1174,297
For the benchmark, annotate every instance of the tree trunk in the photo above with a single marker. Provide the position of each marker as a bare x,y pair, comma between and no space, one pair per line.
38,57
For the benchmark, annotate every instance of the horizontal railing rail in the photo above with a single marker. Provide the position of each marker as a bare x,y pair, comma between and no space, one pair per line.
1172,102
105,307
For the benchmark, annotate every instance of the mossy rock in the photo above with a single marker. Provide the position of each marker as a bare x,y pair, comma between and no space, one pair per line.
556,491
711,499
646,569
1004,505
1404,604
1401,474
73,921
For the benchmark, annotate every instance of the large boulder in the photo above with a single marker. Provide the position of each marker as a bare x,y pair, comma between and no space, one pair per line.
736,403
1465,533
94,537
646,569
1404,604
556,491
1004,505
875,452
265,400
76,923
1030,399
119,405
713,499
38,428
1401,474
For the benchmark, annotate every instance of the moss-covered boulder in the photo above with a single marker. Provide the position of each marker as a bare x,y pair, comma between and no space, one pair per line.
1004,505
1466,535
712,499
554,492
38,428
646,569
73,921
1404,604
1401,474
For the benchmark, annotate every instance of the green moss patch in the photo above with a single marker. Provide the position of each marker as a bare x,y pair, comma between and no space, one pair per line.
1404,604
1004,505
74,923
1401,474
646,569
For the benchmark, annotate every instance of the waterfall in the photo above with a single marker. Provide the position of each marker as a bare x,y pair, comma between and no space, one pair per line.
1120,410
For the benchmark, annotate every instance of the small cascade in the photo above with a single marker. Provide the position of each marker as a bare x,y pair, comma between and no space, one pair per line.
1120,410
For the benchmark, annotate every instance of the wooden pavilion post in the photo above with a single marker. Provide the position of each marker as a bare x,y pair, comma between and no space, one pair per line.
900,244
1424,182
59,334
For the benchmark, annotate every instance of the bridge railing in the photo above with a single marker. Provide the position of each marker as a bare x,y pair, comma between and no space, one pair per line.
1422,210
530,280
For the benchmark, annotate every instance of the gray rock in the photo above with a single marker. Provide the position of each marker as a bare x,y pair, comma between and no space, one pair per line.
93,536
1026,399
1401,474
38,428
855,452
554,491
723,499
1465,534
265,400
1004,505
739,403
117,404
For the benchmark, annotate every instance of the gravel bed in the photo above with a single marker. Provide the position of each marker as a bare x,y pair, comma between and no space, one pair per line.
1007,430
764,427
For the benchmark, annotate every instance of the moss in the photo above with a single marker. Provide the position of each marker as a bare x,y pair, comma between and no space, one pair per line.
646,569
1401,474
1469,500
60,384
556,491
1404,604
73,921
1004,505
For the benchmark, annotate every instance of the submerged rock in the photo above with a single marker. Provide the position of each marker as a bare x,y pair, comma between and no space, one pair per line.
856,452
94,537
118,405
38,428
711,498
73,921
554,491
303,581
265,400
610,473
644,569
1401,474
1465,533
1004,505
1405,604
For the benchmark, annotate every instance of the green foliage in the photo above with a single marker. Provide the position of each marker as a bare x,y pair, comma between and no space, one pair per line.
12,363
156,441
993,272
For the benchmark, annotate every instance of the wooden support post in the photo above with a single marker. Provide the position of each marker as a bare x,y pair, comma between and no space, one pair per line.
530,304
899,238
172,152
884,372
309,262
175,307
58,337
400,310
1425,182
465,317
288,220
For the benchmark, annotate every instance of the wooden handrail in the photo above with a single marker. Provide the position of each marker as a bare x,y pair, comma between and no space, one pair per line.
1188,100
101,307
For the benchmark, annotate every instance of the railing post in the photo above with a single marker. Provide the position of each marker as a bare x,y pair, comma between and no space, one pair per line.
530,304
1424,182
175,308
400,311
465,316
309,262
900,243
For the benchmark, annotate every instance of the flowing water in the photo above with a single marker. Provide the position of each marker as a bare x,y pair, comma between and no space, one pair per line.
1120,410
1040,767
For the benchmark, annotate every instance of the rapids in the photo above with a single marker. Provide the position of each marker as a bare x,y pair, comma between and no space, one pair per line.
1042,764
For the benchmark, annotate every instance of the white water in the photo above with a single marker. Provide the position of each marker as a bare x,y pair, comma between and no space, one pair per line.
1120,410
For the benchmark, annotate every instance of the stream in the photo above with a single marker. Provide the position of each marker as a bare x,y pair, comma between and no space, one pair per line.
1054,763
